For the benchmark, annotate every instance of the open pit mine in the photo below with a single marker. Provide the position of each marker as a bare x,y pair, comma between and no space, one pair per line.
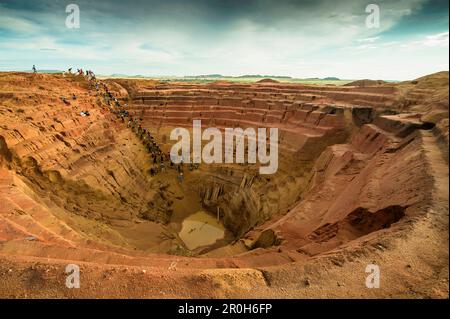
361,184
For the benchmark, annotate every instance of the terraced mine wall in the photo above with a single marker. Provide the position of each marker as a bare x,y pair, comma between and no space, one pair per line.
311,122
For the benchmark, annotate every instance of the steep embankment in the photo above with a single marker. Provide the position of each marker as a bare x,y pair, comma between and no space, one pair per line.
90,167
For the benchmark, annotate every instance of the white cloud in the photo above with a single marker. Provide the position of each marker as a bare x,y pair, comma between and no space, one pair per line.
18,24
440,39
370,40
328,39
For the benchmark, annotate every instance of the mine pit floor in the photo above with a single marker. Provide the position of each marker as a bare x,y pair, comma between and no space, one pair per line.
201,229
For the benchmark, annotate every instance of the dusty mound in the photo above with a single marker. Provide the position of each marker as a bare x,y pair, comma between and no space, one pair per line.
361,179
267,80
365,83
435,80
427,95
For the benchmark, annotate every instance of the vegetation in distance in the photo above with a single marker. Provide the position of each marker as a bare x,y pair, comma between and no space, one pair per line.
250,78
243,79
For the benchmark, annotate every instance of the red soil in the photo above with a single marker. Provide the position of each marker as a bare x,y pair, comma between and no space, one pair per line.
363,179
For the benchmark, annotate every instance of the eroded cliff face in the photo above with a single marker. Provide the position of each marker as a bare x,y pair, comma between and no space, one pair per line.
354,172
90,166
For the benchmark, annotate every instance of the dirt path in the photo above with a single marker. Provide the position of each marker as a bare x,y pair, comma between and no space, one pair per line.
438,167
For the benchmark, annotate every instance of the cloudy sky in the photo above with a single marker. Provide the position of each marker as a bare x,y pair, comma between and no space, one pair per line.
311,38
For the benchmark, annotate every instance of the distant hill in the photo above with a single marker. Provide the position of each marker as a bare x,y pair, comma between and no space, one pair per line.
204,76
119,75
267,80
437,79
218,76
365,82
264,76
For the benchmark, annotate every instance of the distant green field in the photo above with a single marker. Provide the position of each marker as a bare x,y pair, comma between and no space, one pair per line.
205,79
237,79
256,79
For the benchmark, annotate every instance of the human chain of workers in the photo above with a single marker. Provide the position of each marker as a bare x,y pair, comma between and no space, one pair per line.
159,158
